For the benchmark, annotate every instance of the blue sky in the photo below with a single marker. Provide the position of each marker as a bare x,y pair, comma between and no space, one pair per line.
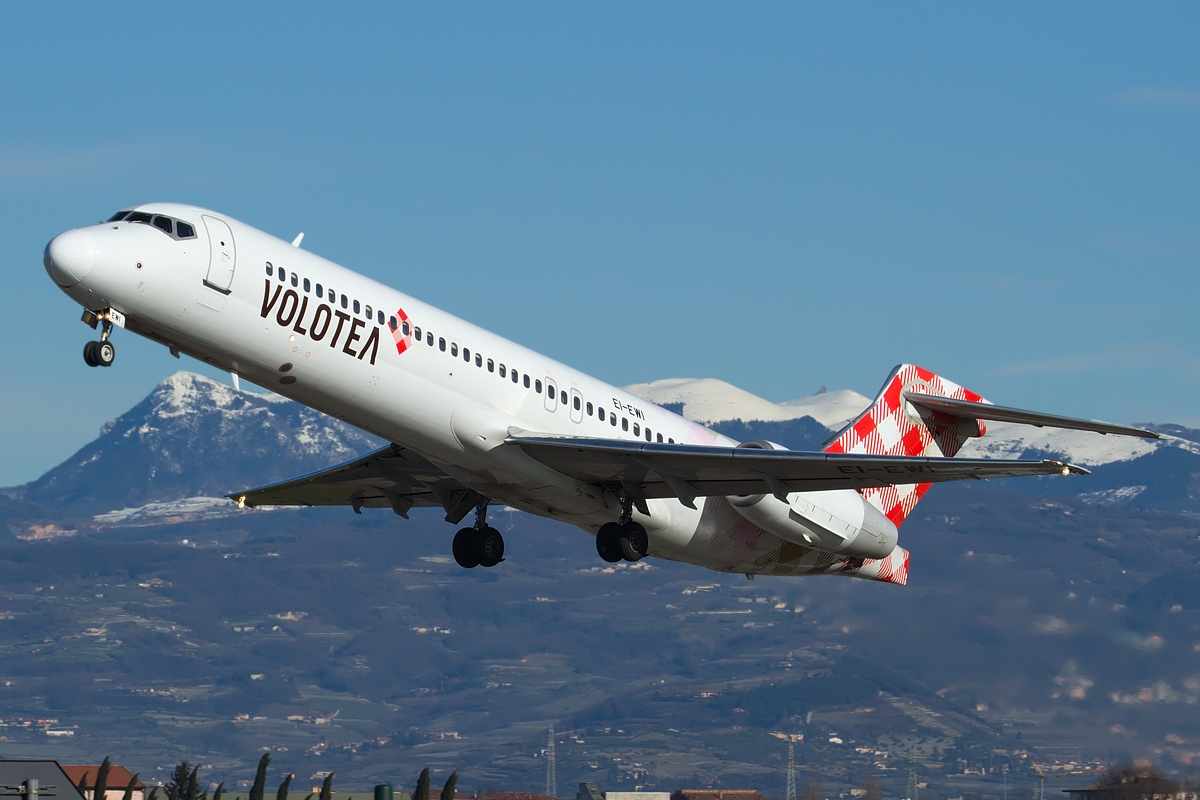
776,195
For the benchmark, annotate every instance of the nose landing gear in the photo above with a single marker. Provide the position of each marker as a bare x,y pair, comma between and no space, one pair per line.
479,546
101,353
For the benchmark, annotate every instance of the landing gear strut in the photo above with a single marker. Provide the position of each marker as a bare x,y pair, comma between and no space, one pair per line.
479,546
101,353
623,539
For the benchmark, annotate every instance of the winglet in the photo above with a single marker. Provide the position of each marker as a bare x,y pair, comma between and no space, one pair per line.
299,238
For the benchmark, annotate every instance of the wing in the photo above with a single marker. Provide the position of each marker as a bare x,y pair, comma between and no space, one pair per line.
391,477
690,471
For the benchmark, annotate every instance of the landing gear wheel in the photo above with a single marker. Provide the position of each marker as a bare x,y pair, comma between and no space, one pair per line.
489,546
608,542
466,553
89,354
106,353
634,541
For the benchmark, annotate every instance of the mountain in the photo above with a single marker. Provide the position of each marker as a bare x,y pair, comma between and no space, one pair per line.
1050,621
193,436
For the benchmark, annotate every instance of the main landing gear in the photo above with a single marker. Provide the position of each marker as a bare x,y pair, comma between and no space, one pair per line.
623,539
100,353
479,546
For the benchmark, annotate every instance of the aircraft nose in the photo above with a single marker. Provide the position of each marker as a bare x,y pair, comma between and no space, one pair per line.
69,257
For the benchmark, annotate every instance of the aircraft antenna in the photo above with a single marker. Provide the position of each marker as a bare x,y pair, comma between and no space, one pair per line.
551,765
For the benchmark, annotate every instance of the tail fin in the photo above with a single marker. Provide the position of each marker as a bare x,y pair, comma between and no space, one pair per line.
892,427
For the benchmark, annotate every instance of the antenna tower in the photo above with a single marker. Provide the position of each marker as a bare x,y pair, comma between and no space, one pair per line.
791,769
551,765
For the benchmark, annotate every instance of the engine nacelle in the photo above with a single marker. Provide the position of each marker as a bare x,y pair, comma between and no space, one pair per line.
836,521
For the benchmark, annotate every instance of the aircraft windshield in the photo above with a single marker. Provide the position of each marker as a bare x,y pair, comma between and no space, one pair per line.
175,228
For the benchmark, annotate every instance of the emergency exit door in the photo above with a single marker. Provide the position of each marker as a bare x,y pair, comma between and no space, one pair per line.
222,254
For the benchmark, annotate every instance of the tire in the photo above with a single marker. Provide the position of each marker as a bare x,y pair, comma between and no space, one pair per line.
634,542
465,547
608,542
89,354
106,353
490,547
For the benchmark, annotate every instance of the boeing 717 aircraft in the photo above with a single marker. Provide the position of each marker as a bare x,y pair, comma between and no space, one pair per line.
475,420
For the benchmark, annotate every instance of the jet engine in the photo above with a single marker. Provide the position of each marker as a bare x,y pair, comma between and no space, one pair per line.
836,521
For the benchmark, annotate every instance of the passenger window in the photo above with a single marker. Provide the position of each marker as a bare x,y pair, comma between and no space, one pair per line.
453,349
647,434
659,437
379,319
307,286
492,367
357,308
467,354
270,270
550,391
184,230
282,275
589,409
672,441
345,301
637,429
442,343
417,333
429,339
624,423
295,280
117,217
367,312
537,386
391,323
525,379
165,225
612,419
404,326
479,362
562,398
578,404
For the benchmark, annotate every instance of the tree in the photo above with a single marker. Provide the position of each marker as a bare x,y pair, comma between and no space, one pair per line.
327,787
422,790
218,791
128,795
282,792
101,787
177,786
450,787
260,778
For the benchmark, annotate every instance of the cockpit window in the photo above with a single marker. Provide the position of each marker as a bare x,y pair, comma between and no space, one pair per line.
175,228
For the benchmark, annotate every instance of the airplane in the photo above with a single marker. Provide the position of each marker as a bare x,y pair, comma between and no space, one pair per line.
474,420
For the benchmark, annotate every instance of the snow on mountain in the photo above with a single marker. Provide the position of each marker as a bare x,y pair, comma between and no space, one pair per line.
709,400
193,436
1006,440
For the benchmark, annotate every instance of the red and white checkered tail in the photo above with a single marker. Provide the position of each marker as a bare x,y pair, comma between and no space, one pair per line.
892,427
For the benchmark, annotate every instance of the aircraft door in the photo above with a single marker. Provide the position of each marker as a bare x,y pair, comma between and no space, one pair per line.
222,254
576,405
551,397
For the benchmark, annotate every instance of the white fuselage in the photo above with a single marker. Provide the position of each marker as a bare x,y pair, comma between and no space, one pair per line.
446,392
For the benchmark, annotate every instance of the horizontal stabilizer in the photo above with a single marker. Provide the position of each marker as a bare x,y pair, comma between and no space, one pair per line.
966,409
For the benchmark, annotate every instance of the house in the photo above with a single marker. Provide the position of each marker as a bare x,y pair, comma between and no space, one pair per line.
118,781
36,780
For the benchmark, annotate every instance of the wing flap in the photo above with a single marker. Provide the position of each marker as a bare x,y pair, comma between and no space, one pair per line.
966,409
652,470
